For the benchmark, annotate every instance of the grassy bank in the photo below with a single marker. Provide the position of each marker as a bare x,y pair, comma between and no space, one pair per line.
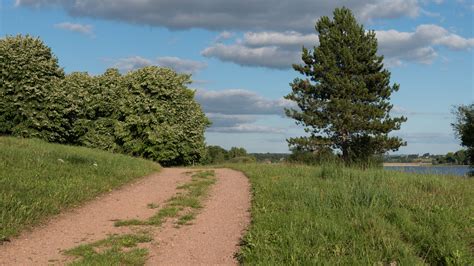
38,179
330,215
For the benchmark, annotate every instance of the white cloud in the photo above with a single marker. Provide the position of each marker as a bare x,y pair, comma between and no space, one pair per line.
269,56
241,102
181,65
290,39
266,49
419,46
75,27
250,15
390,9
238,111
247,128
225,35
280,50
176,63
132,63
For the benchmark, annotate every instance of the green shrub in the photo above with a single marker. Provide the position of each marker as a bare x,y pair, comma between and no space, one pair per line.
28,72
243,159
149,112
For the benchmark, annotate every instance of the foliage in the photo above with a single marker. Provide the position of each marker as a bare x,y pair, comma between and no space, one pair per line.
333,215
464,128
243,159
324,155
237,152
148,112
38,179
270,157
217,154
28,72
344,101
459,158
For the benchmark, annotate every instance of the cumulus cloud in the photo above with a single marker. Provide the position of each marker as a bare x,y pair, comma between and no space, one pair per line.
247,128
287,40
261,15
390,9
75,27
132,63
176,63
279,50
225,35
225,123
181,65
241,102
238,111
419,46
270,56
226,120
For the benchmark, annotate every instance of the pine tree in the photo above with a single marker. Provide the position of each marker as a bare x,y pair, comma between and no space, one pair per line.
344,99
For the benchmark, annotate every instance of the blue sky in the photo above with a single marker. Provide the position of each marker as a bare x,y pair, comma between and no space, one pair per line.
240,53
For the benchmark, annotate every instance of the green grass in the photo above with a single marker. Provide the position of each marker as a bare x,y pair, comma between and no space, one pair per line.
187,201
39,179
114,250
332,215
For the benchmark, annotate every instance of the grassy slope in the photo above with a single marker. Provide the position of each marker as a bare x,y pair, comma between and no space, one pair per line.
307,215
38,179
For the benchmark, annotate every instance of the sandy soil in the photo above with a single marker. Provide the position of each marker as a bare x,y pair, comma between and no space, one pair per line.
211,239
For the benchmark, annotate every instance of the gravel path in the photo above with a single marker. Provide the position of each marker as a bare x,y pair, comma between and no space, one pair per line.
212,238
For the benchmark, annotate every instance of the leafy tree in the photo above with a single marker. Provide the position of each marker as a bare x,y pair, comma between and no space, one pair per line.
464,128
344,101
237,152
216,154
28,72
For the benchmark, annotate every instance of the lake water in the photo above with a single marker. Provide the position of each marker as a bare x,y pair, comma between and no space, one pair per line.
440,170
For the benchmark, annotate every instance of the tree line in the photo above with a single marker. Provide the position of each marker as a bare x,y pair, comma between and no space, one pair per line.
149,112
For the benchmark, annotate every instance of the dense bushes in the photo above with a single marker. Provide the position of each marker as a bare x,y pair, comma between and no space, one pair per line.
148,112
217,154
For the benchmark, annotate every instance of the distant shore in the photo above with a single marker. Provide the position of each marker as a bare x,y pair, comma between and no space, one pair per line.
407,164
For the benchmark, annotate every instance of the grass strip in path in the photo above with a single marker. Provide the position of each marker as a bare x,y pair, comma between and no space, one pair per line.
184,205
114,250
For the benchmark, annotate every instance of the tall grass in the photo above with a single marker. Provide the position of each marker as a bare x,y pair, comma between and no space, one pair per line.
38,179
333,215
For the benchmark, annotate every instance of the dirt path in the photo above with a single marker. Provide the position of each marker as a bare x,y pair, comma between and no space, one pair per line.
214,236
211,239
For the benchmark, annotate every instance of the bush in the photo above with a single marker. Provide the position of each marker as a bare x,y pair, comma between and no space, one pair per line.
29,71
148,112
243,159
313,158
